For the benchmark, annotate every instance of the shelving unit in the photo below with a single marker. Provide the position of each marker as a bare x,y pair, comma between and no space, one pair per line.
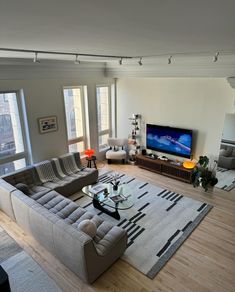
134,138
165,168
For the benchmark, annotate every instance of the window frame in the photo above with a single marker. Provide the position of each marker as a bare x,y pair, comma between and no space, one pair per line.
80,138
26,154
107,131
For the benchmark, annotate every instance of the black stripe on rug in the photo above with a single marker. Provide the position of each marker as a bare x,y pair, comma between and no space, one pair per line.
170,196
130,180
171,206
136,215
133,231
87,205
145,184
179,198
187,225
166,194
201,207
168,243
161,193
142,195
140,217
174,197
142,208
74,200
123,221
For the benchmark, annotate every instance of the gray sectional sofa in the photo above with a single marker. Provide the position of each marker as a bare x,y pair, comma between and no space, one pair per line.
36,198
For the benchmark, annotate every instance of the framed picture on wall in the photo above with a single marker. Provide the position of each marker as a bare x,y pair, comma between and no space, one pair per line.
47,124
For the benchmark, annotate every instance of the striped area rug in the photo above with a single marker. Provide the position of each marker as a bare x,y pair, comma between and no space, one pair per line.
226,179
157,224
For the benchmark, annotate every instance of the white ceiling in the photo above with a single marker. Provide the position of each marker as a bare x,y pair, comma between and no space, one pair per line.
121,27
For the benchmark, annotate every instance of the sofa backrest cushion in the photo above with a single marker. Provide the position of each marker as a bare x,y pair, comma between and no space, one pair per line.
45,171
26,176
68,164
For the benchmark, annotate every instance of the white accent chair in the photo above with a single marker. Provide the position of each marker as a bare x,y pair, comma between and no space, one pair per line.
118,150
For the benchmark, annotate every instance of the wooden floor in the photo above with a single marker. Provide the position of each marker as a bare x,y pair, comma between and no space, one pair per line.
205,261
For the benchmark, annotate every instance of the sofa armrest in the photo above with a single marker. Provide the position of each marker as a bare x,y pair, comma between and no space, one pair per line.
111,237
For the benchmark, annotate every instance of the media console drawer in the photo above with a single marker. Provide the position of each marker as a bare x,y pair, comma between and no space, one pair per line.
165,168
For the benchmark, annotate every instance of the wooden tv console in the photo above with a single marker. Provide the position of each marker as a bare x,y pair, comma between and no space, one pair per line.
165,168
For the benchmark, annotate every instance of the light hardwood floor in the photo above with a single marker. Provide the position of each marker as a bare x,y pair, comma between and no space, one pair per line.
205,261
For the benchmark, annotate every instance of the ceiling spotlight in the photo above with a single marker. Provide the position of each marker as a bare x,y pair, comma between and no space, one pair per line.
169,60
216,57
140,61
35,59
76,60
120,61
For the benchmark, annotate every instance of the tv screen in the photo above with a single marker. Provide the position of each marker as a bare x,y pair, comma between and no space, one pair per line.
170,140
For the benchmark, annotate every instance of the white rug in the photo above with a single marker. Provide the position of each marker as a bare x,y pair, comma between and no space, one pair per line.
226,179
25,275
157,224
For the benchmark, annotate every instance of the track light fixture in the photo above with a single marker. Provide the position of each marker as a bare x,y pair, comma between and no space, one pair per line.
118,58
169,60
140,61
35,59
77,61
216,57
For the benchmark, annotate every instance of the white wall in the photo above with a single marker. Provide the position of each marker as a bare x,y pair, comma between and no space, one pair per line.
44,97
229,128
193,103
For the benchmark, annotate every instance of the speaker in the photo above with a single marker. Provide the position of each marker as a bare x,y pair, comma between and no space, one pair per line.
144,152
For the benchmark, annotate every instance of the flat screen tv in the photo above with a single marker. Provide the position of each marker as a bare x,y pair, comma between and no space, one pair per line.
170,140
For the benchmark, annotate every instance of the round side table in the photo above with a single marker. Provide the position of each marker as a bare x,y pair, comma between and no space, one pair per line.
90,160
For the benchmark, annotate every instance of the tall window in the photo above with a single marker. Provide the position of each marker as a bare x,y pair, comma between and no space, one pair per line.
13,153
75,118
104,115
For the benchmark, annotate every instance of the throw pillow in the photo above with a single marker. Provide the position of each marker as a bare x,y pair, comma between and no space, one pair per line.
115,148
87,226
23,188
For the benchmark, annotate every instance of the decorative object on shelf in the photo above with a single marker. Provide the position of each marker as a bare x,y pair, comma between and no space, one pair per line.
189,164
134,138
204,174
47,124
115,181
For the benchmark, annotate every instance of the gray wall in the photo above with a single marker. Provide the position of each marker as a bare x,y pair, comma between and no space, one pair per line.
42,86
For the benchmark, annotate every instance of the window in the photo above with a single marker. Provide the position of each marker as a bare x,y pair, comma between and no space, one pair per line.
75,118
13,148
104,115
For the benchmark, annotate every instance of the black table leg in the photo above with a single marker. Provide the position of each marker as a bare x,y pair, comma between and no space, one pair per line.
113,214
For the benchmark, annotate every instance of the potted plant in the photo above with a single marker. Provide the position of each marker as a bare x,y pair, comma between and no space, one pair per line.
204,175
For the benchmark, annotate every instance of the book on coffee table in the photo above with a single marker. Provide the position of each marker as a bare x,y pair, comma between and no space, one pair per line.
117,198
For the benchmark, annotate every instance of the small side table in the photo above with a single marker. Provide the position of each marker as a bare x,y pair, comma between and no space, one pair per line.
4,281
90,160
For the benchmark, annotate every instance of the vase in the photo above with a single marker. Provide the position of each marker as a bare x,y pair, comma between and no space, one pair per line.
115,187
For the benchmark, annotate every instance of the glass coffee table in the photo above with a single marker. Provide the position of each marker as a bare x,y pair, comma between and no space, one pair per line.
104,196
